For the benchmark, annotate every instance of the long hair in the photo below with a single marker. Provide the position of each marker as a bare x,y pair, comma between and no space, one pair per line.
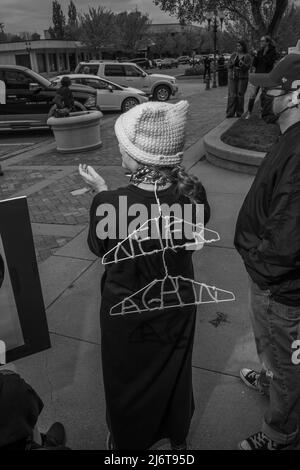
186,184
244,46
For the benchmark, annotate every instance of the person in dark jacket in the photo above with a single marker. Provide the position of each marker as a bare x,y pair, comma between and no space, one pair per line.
207,67
263,62
239,65
63,100
146,354
268,239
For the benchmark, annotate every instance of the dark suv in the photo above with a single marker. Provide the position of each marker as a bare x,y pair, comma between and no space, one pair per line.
27,97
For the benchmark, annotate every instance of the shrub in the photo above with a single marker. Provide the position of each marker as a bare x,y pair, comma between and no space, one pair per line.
197,70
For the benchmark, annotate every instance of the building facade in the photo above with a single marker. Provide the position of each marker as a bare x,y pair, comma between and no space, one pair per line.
44,56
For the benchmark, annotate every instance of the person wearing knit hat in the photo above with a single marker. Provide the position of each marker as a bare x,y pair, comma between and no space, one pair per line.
146,356
153,133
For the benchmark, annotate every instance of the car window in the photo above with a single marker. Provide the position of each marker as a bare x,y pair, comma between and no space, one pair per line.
15,79
93,82
132,71
88,69
114,70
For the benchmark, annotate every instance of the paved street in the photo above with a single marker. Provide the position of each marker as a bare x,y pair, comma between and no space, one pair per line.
68,376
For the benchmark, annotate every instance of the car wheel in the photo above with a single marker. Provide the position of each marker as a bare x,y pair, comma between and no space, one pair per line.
162,93
129,103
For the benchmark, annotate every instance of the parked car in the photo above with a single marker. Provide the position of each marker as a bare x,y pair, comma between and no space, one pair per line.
157,86
196,59
227,57
157,62
183,59
142,62
110,96
29,98
169,63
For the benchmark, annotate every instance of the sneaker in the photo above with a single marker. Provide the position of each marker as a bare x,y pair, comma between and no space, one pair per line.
55,436
247,115
179,447
260,441
251,379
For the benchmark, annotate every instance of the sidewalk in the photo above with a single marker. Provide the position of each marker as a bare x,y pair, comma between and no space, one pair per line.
68,376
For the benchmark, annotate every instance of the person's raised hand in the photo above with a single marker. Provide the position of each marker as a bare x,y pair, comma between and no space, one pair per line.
92,178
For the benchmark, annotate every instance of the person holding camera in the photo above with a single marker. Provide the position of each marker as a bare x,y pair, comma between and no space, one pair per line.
239,66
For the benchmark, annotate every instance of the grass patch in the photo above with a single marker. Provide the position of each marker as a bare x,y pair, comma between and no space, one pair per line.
252,134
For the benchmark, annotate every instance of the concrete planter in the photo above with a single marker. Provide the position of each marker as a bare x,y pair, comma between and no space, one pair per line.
232,158
78,132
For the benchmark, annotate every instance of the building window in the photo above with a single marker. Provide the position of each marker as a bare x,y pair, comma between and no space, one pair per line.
62,61
23,59
72,61
52,62
41,62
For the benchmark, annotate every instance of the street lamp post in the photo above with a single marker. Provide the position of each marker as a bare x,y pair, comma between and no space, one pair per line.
215,17
28,49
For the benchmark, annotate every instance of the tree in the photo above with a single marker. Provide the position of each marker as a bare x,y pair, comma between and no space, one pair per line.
72,15
25,36
261,16
132,27
35,37
289,31
98,29
72,29
59,21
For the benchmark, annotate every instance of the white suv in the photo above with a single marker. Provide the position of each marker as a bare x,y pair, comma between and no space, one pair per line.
127,74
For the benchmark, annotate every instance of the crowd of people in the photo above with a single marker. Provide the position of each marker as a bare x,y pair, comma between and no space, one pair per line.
241,63
147,358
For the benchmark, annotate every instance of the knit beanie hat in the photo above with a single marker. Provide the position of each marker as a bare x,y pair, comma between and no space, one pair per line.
153,133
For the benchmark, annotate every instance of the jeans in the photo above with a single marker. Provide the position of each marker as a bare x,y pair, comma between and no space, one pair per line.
253,91
276,328
207,73
237,88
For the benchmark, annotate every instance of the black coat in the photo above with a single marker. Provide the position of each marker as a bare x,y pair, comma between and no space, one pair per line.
264,62
146,357
268,227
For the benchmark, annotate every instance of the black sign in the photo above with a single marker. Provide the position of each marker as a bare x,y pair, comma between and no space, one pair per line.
23,323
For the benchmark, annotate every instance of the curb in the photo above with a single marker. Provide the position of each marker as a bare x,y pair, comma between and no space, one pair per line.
193,154
26,154
26,149
231,158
